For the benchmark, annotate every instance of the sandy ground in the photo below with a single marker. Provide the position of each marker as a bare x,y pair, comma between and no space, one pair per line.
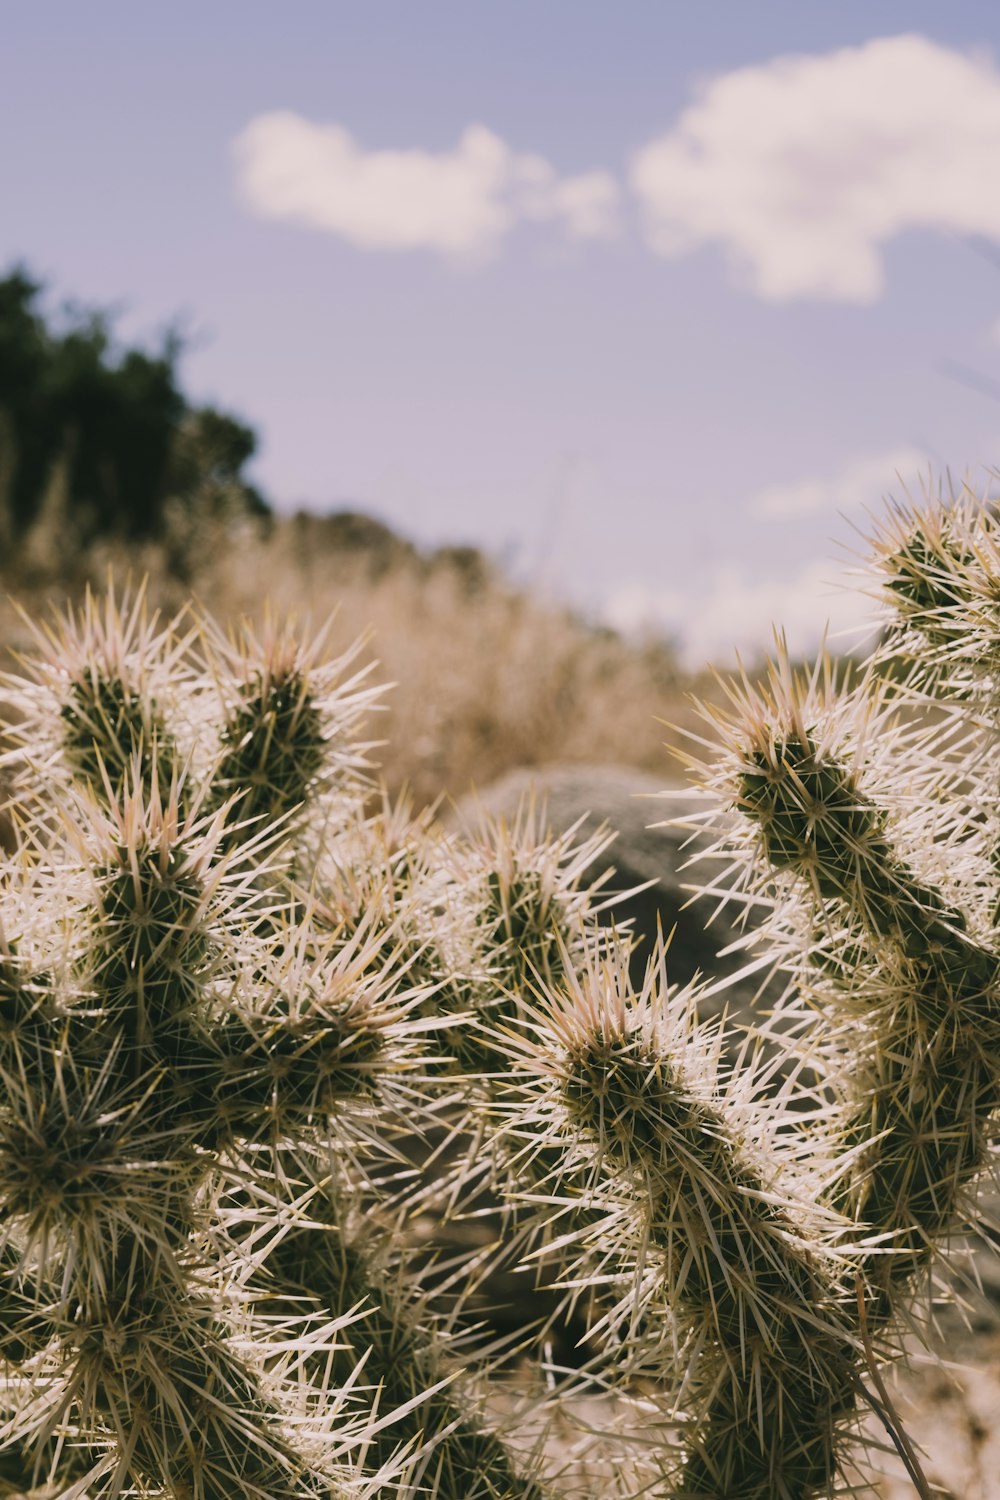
948,1400
945,1395
949,1411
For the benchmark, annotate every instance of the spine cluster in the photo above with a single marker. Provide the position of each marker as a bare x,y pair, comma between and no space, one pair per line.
256,1023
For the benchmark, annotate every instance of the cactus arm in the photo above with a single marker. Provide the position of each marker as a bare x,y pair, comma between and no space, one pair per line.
459,1455
931,1077
760,1298
921,1092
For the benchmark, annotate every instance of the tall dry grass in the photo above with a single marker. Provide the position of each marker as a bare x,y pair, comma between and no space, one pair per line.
486,677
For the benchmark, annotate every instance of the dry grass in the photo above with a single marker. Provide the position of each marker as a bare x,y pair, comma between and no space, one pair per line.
486,677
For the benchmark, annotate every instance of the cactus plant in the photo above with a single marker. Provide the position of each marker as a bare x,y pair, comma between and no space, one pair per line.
788,1247
182,1010
252,1021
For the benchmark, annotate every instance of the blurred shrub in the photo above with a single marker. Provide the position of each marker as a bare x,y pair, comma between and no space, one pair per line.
97,440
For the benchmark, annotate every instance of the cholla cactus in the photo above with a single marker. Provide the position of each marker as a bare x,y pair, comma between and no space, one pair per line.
187,1024
866,829
767,1249
232,997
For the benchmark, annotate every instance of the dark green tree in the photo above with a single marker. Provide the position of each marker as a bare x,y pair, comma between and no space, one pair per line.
115,419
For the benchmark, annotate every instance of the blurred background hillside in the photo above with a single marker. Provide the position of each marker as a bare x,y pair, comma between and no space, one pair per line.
107,469
650,305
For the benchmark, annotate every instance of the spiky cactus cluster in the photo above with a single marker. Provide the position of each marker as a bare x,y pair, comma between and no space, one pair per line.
778,1222
257,1024
211,990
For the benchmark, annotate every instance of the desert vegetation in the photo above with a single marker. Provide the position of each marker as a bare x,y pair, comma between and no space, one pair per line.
484,676
257,1025
98,439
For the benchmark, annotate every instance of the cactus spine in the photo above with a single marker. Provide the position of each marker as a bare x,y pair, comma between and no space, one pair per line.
229,992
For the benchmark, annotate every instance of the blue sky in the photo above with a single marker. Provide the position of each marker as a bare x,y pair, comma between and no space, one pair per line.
651,300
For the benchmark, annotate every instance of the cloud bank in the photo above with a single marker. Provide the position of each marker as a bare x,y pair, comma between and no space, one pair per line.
861,483
737,611
459,203
802,168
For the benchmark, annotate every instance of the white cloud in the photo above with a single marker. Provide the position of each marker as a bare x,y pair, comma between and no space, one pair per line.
860,483
459,203
588,204
737,611
805,166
